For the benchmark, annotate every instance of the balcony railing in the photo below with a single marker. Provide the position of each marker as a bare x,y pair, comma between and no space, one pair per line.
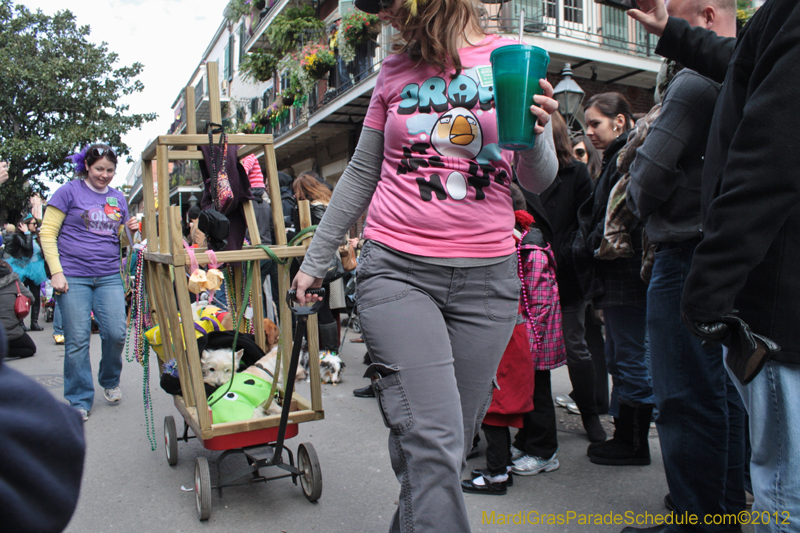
575,21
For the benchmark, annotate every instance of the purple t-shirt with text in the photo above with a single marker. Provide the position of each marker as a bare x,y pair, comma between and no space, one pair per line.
88,244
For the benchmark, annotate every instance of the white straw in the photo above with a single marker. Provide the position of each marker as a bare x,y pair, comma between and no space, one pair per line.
521,22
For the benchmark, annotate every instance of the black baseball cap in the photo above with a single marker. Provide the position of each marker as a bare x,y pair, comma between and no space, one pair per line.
372,6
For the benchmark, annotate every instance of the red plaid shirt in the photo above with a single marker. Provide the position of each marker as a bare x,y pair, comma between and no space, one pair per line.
541,306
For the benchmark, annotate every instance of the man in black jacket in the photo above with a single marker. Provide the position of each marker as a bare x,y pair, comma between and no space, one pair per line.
691,387
747,260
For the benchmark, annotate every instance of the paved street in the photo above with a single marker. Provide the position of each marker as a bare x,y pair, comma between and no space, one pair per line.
128,488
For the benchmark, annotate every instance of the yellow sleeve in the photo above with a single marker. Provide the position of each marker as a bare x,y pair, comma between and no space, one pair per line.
48,235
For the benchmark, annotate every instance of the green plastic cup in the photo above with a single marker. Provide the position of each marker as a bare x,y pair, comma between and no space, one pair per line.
516,70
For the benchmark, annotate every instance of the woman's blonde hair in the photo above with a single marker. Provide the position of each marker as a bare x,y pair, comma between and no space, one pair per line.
440,23
306,187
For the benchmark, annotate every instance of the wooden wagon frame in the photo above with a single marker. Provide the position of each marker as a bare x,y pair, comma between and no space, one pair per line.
165,260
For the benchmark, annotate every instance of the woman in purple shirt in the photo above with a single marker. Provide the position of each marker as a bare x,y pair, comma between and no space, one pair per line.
81,244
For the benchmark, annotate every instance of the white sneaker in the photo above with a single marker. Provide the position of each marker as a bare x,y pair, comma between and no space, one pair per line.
516,453
84,414
529,465
112,395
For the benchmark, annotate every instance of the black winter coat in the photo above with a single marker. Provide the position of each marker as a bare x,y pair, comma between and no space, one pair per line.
561,200
749,254
621,280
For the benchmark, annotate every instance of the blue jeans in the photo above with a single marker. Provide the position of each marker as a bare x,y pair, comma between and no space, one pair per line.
105,296
626,327
58,328
701,416
772,400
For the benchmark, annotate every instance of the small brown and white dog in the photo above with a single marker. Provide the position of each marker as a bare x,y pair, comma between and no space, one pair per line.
330,366
271,331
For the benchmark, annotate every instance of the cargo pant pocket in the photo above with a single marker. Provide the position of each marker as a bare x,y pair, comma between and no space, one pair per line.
392,400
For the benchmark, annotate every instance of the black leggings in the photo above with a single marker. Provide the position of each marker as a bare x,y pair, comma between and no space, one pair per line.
21,347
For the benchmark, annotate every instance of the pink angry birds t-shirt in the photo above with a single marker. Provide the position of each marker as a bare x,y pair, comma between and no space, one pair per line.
444,188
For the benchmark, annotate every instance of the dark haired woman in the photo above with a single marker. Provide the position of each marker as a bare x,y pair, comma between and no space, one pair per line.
586,153
571,188
438,290
25,258
623,298
81,243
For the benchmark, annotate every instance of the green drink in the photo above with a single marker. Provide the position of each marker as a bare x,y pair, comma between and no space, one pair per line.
516,70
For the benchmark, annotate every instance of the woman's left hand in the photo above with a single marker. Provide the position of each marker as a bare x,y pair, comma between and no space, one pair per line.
545,106
133,224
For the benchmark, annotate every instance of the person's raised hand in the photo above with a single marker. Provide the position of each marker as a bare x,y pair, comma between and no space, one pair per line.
652,14
303,282
59,282
3,172
545,106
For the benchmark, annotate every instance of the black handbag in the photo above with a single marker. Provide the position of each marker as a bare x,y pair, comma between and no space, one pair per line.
335,270
216,228
212,222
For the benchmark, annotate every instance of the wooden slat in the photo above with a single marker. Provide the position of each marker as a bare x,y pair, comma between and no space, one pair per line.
149,206
313,362
190,351
238,139
252,224
190,415
190,110
212,76
190,154
248,149
247,254
162,166
149,152
296,417
273,185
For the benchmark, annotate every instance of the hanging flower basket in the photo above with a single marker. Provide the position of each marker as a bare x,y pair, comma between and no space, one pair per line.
355,29
317,60
288,99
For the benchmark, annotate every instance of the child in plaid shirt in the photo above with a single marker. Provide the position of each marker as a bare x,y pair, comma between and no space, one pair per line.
536,344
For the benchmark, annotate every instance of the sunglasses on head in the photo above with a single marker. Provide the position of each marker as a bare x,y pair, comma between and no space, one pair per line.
580,152
100,151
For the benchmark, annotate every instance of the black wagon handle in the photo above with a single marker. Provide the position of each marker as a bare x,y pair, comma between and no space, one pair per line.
299,310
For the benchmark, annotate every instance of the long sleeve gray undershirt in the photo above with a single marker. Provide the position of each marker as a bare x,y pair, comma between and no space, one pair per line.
536,169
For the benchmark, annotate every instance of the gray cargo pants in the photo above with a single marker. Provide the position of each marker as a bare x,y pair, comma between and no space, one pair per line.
436,335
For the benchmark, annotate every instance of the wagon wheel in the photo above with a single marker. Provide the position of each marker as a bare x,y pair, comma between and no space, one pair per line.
311,477
171,440
202,488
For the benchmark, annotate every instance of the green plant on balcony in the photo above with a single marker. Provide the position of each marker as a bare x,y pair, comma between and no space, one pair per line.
274,114
317,60
259,65
300,81
355,29
293,27
240,8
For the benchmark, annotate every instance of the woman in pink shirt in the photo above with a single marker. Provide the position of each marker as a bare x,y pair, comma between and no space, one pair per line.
438,288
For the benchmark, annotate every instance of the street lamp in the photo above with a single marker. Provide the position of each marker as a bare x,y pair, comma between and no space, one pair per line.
192,200
569,95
